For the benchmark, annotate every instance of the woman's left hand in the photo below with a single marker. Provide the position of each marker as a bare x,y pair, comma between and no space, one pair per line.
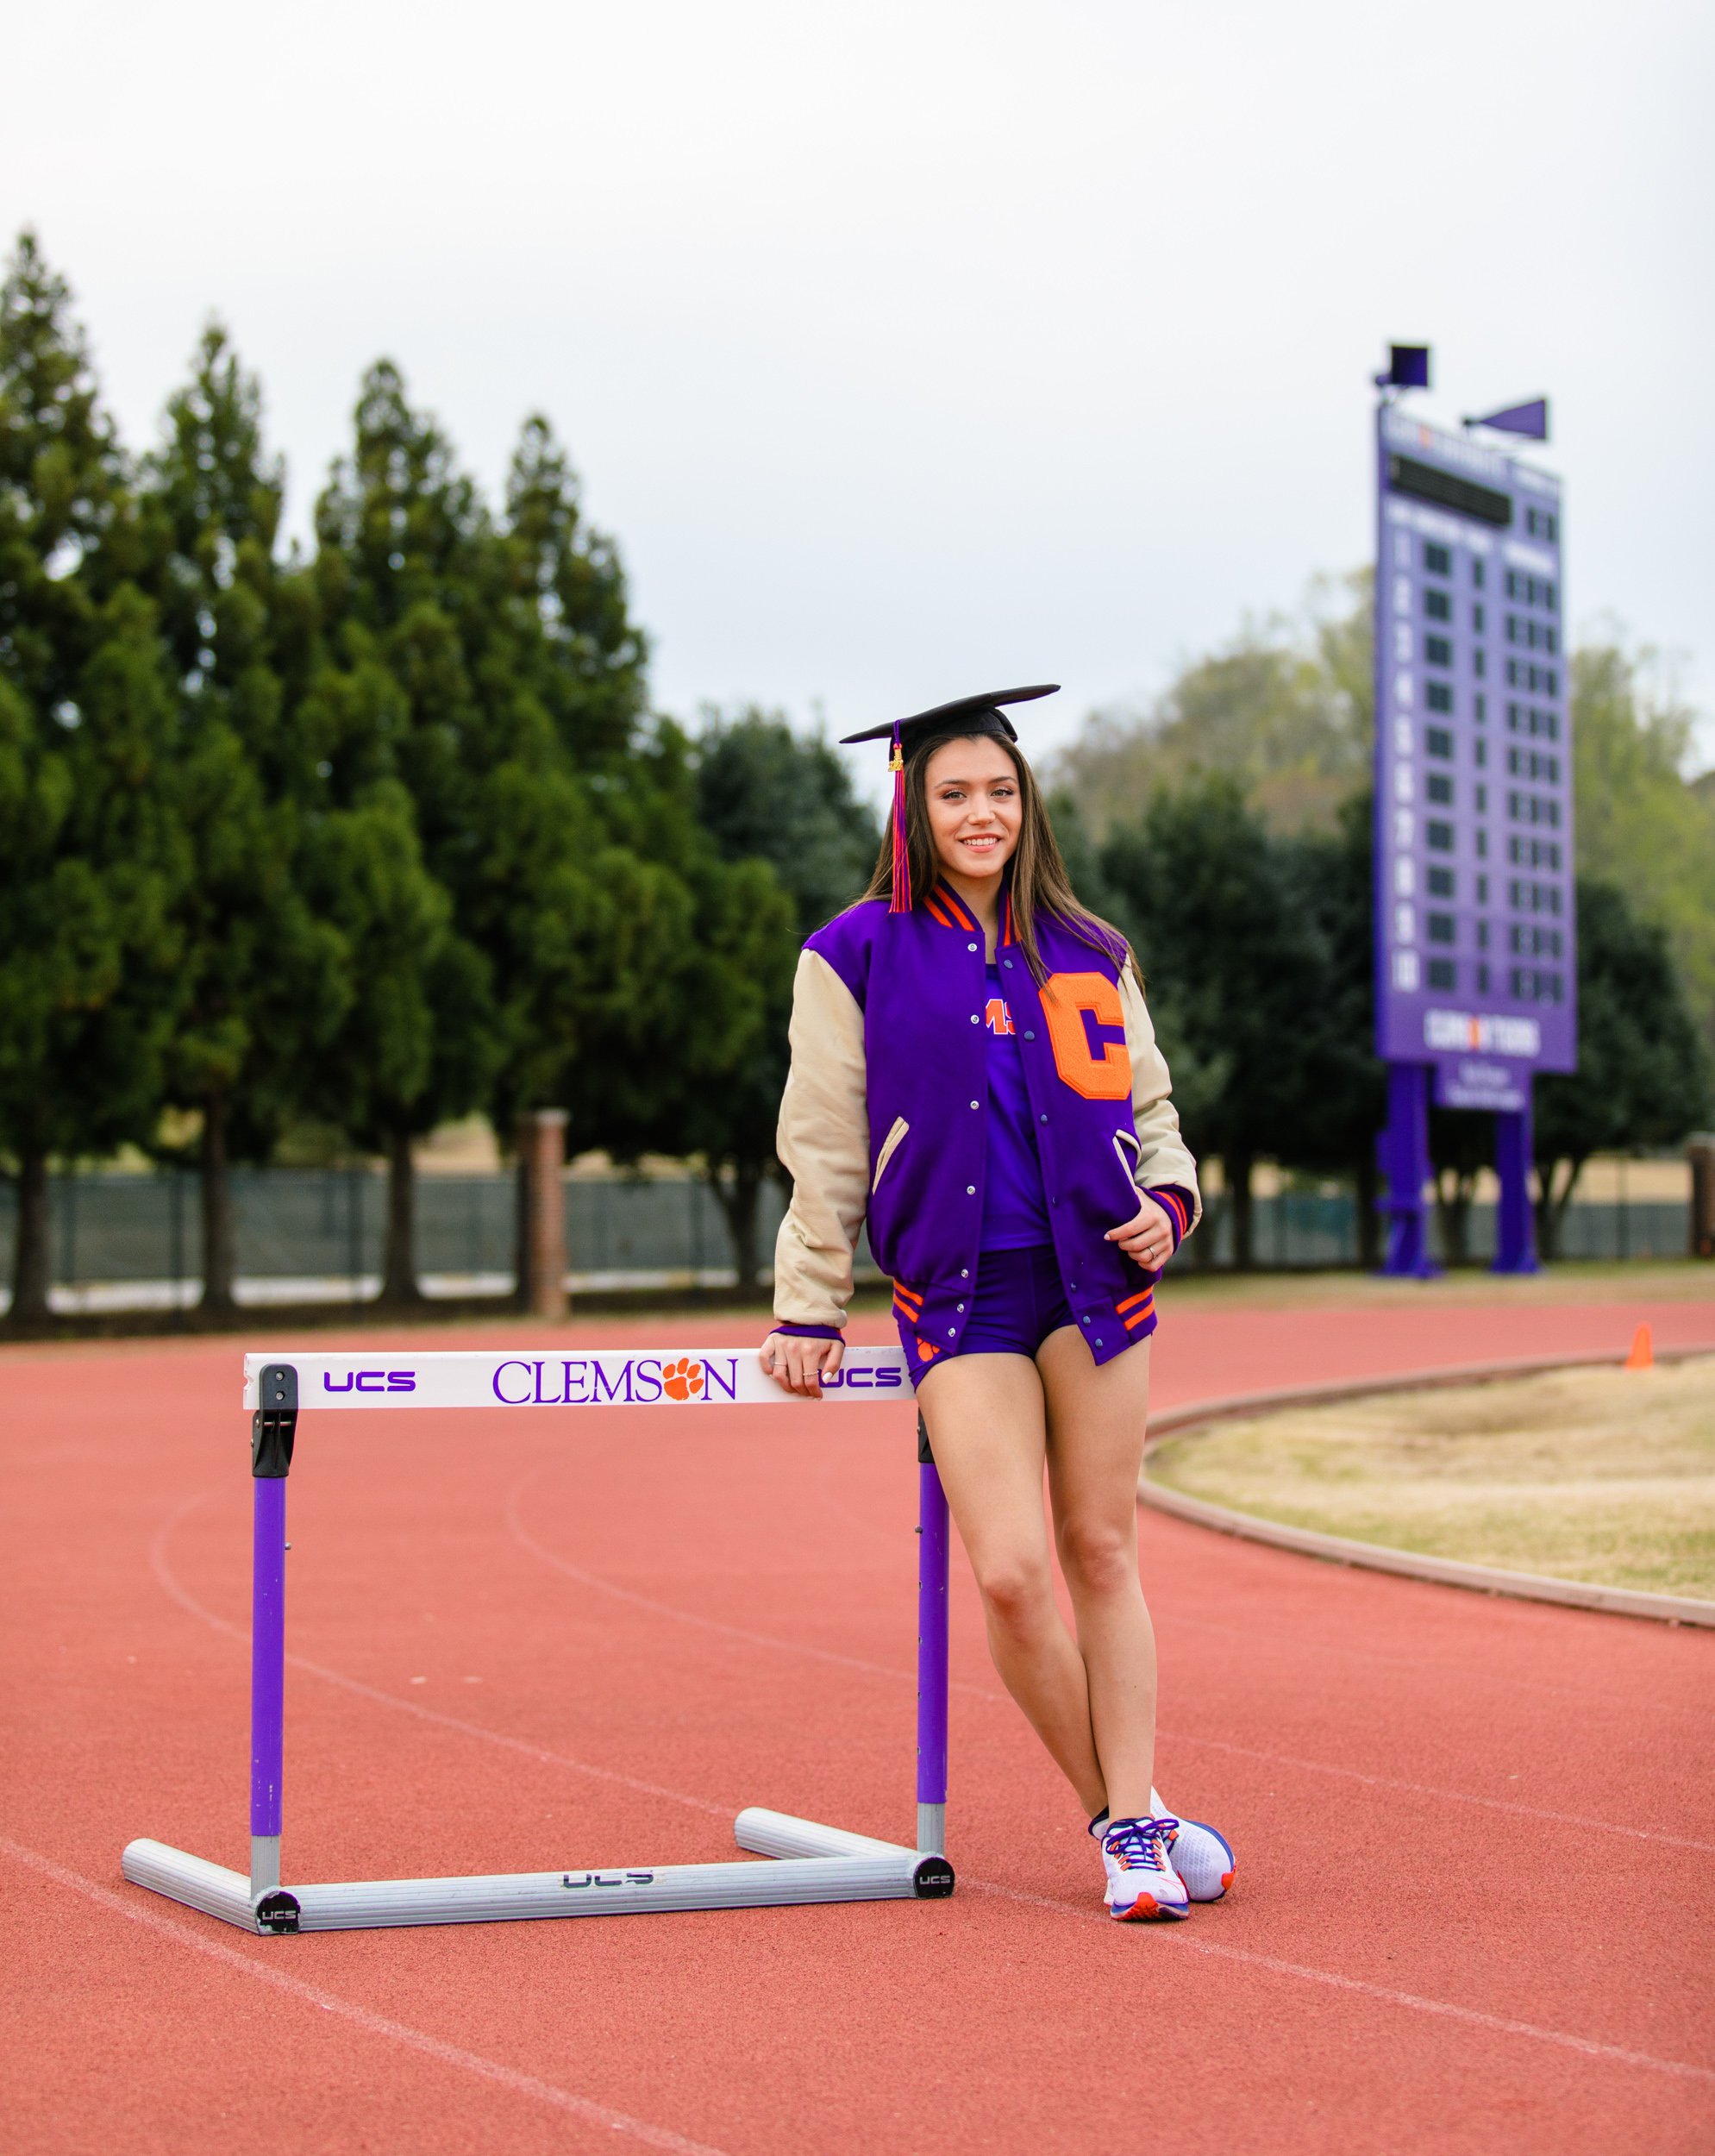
1148,1239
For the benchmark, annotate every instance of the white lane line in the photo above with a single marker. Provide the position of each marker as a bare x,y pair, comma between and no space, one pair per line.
1442,2009
526,1541
166,1579
360,2017
1443,1796
1472,1672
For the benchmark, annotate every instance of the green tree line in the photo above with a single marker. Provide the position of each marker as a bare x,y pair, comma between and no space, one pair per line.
367,834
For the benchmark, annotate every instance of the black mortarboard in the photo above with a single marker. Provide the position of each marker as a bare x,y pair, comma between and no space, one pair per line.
965,715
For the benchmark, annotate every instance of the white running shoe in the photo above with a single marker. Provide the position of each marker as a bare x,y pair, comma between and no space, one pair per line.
1203,1860
1202,1856
1143,1885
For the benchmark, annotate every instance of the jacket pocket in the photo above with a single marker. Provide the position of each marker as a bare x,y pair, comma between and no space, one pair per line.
891,1146
1126,1142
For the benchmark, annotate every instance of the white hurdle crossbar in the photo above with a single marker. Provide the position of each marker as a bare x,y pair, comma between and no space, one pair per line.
804,1861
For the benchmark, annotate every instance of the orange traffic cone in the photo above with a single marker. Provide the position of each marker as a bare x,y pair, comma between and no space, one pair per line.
1642,1355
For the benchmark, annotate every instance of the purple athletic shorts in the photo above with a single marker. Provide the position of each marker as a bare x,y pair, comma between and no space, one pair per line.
1018,1301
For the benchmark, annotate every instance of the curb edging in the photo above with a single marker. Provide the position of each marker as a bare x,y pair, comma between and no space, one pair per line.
1375,1557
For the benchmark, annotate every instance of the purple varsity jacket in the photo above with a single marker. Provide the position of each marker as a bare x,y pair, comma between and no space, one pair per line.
886,1109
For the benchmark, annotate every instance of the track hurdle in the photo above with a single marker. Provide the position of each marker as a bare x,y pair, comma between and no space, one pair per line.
804,1861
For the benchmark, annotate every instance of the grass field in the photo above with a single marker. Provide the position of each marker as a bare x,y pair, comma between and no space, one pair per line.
1604,1475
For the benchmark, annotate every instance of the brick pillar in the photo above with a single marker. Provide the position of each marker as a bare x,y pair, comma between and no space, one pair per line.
1702,1152
542,1237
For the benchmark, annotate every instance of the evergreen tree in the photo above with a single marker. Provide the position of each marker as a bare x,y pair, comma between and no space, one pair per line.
1209,902
631,963
262,977
1342,1101
764,796
702,941
404,578
576,927
580,653
1643,1074
414,1045
91,861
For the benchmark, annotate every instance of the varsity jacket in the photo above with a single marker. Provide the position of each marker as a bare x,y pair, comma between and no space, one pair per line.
886,1101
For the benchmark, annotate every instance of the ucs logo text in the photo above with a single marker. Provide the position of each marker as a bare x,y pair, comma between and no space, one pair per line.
372,1381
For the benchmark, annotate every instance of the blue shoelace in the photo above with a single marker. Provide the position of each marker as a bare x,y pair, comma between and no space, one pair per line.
1141,1844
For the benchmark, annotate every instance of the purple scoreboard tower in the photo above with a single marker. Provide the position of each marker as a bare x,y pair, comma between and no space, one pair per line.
1474,928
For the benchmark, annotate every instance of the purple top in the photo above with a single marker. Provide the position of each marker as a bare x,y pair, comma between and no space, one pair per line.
1015,1206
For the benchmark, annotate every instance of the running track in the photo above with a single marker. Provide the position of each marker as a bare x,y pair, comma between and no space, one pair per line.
1477,1840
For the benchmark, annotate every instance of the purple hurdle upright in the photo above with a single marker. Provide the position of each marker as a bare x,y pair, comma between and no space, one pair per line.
932,1673
272,1432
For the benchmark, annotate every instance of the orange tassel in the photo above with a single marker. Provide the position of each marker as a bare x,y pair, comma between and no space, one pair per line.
900,901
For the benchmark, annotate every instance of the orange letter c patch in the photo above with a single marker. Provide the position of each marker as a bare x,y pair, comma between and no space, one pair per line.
1067,998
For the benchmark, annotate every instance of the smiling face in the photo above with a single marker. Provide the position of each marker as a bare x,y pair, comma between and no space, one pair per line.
970,790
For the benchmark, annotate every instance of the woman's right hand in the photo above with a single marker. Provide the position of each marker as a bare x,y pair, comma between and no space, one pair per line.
797,1365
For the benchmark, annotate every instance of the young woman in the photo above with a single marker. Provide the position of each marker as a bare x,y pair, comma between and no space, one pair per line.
974,1071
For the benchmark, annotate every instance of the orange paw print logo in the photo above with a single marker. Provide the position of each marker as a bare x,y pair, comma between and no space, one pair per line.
683,1379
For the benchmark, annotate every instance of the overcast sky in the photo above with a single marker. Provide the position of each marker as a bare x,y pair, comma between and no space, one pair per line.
914,348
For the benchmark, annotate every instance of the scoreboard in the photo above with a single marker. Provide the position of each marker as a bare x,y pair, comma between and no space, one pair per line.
1476,971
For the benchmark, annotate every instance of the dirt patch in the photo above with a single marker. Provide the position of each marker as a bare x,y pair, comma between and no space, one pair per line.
1605,1475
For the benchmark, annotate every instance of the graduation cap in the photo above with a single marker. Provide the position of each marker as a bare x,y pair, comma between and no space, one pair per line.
966,714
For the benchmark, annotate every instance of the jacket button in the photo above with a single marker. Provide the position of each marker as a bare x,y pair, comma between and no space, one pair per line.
1086,1322
952,1331
975,1020
1044,1118
964,1272
1030,1037
961,1310
1099,1342
970,946
976,1104
1007,963
970,1190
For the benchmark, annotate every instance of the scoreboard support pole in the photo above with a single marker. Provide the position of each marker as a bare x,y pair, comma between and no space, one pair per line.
1403,1152
1403,1155
1515,1220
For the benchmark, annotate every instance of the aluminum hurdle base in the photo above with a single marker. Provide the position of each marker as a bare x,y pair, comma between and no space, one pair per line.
804,1860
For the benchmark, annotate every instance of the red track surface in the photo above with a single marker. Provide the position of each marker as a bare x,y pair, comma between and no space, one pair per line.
1476,1836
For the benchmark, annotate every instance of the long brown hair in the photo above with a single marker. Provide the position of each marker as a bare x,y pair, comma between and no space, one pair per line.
1039,882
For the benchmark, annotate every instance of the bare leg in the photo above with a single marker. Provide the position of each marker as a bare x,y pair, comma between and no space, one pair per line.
986,1424
1095,1420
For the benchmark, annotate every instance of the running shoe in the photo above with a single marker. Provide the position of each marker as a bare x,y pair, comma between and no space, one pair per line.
1143,1885
1202,1858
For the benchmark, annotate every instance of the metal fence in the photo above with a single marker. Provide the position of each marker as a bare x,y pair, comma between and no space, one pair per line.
1299,1230
134,1240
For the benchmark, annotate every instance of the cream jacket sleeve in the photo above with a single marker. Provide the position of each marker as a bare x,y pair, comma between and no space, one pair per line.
1162,1156
823,1143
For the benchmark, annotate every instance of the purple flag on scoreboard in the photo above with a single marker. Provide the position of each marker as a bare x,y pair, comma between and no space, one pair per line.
1530,419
